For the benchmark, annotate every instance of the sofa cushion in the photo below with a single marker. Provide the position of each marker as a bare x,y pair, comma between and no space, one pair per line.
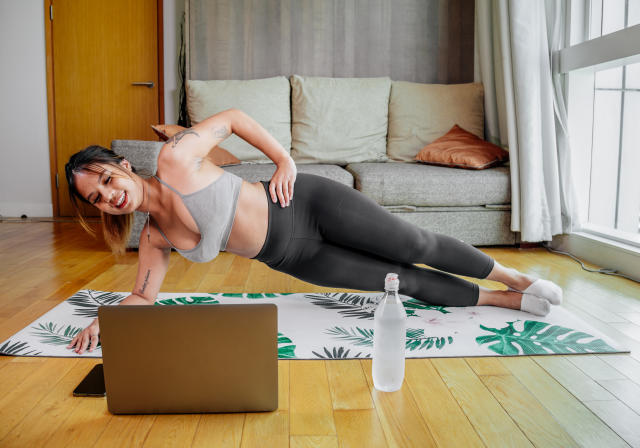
142,154
264,100
428,185
258,172
420,113
459,148
339,120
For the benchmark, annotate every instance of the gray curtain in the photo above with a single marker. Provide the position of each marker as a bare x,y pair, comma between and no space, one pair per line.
428,41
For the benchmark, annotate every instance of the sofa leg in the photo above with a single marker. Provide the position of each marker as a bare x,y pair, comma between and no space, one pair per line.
527,245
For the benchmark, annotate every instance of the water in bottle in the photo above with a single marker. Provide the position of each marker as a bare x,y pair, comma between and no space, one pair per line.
389,338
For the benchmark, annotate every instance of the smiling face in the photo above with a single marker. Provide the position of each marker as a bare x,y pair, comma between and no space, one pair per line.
111,189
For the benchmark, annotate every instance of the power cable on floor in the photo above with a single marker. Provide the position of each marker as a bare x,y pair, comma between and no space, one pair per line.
599,271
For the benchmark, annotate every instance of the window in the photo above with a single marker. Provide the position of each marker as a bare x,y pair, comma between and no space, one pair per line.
603,95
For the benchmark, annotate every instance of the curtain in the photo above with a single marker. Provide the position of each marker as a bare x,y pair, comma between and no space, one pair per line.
428,41
525,109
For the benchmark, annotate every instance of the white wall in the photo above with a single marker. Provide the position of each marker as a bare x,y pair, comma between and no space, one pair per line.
24,147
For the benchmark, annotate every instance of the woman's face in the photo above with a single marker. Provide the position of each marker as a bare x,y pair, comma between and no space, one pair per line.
111,190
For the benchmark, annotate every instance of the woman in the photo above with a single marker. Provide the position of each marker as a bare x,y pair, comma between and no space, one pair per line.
329,235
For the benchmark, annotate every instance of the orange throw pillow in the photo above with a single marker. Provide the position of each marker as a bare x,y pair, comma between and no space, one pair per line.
462,149
218,155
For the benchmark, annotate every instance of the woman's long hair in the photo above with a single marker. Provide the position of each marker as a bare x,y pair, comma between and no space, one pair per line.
116,228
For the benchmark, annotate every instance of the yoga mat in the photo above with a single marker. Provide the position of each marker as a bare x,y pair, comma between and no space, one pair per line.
340,325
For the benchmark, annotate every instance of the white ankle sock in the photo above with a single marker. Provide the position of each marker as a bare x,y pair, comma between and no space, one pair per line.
535,305
542,288
547,290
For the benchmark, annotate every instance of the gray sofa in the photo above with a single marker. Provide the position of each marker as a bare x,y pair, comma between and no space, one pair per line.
364,133
473,206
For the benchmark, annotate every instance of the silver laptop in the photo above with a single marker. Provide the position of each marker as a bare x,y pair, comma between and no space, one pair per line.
190,358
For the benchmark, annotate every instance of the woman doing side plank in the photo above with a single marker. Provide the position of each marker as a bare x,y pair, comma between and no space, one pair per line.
308,226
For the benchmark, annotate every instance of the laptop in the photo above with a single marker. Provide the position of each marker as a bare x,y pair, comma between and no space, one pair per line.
190,358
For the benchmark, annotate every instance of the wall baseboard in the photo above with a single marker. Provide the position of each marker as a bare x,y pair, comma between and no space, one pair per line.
601,252
17,209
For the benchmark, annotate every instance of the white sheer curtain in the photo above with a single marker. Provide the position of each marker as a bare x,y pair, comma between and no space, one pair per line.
525,110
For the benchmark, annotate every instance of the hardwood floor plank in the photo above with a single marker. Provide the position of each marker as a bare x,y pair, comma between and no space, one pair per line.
531,417
314,442
438,407
172,430
625,391
491,422
487,366
630,329
24,396
359,428
284,381
581,424
266,429
84,426
625,364
401,420
311,411
219,430
191,279
125,431
595,367
348,385
45,418
620,418
607,329
572,378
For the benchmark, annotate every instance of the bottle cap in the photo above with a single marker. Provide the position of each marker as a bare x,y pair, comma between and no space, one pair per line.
391,281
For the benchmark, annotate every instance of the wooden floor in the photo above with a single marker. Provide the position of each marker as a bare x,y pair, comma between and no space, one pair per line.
578,400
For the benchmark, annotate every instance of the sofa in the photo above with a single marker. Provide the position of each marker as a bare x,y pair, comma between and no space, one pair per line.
364,133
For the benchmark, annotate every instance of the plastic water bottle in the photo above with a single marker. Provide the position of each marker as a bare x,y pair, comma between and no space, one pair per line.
389,338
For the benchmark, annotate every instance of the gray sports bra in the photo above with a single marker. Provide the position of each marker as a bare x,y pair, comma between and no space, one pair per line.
213,209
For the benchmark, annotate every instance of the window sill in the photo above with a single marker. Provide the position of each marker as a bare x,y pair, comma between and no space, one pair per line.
616,238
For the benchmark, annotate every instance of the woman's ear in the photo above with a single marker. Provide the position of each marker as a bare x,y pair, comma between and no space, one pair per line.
126,164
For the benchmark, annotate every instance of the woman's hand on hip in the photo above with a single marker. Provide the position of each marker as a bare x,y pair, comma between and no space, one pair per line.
87,336
282,181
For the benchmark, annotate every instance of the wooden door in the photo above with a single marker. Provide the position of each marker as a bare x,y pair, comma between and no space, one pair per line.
99,50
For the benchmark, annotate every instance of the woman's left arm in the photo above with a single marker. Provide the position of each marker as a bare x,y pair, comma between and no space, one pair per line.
196,142
282,181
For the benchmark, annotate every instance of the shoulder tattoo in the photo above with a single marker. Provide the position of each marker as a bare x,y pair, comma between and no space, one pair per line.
179,136
221,132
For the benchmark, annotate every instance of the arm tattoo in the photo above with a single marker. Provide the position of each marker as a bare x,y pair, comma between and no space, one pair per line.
146,282
221,132
176,138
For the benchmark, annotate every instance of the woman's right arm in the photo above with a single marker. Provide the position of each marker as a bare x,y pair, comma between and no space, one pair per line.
153,262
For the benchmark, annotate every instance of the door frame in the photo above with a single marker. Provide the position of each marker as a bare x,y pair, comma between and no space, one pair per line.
53,155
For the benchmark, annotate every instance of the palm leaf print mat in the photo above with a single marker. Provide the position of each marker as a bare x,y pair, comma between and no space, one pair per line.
340,325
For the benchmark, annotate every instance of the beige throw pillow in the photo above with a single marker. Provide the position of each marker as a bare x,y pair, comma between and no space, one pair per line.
421,113
264,100
339,120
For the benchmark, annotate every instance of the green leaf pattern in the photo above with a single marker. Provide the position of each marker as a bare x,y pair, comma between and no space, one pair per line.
540,338
416,339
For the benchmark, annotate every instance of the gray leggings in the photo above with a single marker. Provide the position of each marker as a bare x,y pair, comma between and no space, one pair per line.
333,235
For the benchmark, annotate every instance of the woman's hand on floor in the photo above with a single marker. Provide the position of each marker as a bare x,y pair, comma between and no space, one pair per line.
87,336
281,185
